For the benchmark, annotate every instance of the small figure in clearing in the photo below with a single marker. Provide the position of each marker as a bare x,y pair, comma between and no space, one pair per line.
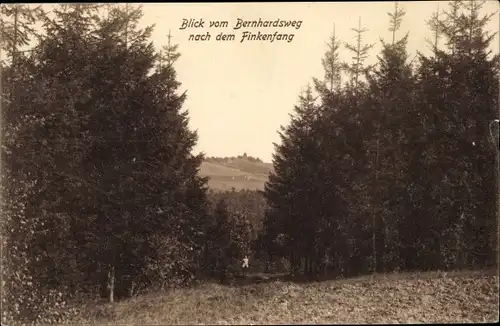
245,265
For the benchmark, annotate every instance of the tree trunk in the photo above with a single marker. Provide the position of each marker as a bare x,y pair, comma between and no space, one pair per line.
376,211
496,142
111,284
132,288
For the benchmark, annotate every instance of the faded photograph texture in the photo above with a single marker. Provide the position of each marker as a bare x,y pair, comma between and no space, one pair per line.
251,163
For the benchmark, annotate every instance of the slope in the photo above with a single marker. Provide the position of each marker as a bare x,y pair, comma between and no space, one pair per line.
406,298
236,172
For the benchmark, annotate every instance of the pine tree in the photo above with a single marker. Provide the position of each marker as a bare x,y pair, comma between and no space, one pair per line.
221,241
357,69
37,150
391,89
328,168
290,187
434,25
465,72
332,67
396,20
193,186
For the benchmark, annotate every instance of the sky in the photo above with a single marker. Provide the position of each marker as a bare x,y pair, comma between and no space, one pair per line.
240,93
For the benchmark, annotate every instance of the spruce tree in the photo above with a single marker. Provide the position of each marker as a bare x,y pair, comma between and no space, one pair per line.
466,72
356,69
390,100
43,197
434,24
289,191
333,166
221,241
332,66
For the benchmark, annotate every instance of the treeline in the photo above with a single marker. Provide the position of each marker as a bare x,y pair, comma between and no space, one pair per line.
227,159
392,168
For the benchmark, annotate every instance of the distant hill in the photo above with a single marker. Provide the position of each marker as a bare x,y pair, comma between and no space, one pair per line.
240,172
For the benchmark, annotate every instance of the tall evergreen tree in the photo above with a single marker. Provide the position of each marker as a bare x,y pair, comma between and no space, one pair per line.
289,191
434,25
360,51
390,100
337,136
465,75
220,236
332,67
35,166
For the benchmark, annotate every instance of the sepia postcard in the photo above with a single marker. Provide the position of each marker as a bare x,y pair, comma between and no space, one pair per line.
250,163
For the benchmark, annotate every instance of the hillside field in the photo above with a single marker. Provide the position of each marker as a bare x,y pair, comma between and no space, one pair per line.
396,298
239,173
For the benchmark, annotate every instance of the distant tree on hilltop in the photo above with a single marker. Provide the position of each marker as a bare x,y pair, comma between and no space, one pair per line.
215,159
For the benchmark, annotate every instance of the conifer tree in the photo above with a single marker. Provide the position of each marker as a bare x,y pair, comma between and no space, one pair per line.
360,51
434,25
221,241
466,72
332,67
391,86
38,190
334,135
288,191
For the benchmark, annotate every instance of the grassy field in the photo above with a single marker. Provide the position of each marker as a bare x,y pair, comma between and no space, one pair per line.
396,298
236,173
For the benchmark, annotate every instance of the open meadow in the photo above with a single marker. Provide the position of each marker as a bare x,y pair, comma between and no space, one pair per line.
235,173
395,298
